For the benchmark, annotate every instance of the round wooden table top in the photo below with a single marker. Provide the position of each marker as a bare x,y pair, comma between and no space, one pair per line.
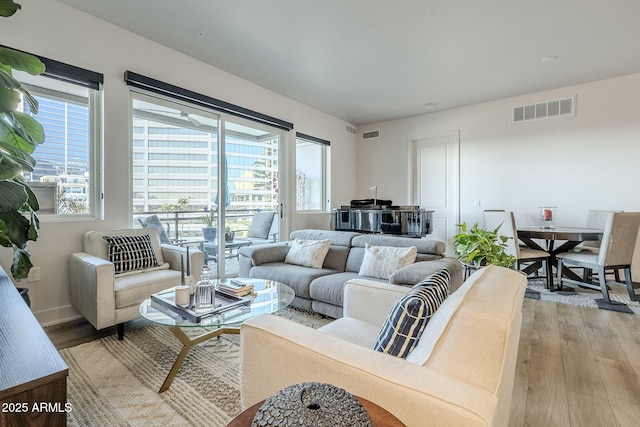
380,417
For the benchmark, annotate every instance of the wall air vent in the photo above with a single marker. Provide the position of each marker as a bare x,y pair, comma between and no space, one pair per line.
372,134
544,110
351,129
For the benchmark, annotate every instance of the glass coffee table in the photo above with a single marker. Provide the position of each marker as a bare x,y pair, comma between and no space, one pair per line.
269,297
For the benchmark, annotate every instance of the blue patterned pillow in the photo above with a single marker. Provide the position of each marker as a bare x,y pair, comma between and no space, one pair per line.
409,316
129,253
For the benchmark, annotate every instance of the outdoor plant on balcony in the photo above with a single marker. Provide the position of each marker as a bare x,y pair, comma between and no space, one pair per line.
20,134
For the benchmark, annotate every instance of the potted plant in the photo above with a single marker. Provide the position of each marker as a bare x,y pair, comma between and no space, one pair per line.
228,234
20,134
209,231
476,247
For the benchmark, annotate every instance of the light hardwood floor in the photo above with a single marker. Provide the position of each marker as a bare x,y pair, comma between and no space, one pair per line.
576,366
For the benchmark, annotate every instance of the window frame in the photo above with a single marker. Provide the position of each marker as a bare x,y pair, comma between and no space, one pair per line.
53,87
324,168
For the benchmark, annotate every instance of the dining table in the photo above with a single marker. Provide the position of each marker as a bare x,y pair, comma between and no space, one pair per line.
566,238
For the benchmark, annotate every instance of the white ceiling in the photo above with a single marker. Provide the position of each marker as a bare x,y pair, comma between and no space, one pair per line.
371,60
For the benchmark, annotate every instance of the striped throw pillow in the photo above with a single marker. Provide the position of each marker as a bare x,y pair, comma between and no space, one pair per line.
409,316
130,253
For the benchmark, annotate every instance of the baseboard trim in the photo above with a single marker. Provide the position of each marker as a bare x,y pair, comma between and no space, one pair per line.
57,315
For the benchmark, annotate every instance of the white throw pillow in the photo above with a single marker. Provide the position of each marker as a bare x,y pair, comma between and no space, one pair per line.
381,261
308,253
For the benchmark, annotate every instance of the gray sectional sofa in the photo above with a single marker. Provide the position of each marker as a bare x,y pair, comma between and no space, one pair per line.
321,290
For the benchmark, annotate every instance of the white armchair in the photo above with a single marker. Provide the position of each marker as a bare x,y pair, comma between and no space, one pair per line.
105,298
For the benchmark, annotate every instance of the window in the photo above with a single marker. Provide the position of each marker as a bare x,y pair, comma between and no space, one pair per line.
311,173
202,154
65,178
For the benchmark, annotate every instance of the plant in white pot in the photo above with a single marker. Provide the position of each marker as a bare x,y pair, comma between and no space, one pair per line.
477,247
20,134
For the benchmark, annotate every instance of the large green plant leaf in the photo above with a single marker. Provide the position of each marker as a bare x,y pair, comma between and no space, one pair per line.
8,8
27,127
21,264
16,227
13,162
21,61
12,88
13,196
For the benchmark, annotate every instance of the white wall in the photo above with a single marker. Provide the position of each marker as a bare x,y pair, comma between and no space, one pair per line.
577,163
59,32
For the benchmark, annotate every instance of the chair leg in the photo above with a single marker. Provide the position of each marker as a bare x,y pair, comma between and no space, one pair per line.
549,274
120,329
603,285
629,282
559,274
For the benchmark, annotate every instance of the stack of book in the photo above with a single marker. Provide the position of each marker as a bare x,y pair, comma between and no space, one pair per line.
236,288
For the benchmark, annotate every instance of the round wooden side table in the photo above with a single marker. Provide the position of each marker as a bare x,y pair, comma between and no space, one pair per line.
380,417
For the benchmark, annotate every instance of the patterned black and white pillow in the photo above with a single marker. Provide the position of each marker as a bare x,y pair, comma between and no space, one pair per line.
129,253
409,316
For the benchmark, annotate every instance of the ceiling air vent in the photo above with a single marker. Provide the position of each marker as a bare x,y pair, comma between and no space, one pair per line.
372,134
351,129
544,110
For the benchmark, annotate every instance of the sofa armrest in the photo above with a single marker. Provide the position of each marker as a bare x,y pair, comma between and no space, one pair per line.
172,254
264,254
369,300
277,352
91,281
414,273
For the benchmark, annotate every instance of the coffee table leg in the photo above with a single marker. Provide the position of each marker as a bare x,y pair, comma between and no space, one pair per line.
187,344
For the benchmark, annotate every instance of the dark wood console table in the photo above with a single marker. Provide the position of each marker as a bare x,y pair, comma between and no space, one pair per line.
33,375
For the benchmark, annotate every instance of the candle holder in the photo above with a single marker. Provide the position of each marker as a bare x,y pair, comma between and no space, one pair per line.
548,217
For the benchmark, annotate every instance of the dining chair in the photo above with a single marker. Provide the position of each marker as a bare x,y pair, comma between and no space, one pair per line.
615,253
595,219
524,255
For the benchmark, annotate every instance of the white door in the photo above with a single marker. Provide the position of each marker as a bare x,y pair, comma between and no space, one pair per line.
435,182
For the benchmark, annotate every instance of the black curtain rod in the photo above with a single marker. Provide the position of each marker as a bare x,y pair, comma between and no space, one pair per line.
156,86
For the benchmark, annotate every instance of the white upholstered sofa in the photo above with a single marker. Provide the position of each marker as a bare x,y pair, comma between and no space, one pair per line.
460,374
105,298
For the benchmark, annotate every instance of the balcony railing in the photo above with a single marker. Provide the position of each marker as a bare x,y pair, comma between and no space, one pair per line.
187,225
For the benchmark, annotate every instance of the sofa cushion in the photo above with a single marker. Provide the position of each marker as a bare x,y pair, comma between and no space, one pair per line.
337,238
405,323
468,315
133,289
353,330
336,258
297,277
329,288
307,253
381,261
129,253
424,246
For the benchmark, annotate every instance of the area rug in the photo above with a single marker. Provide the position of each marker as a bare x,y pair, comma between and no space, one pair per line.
585,297
116,383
